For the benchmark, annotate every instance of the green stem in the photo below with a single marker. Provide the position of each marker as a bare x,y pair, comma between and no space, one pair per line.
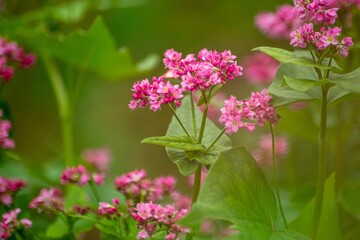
216,139
94,191
181,124
193,113
64,106
203,122
321,164
277,191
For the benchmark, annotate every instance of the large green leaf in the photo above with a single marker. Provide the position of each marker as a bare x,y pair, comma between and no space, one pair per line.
302,85
329,226
236,190
284,94
285,56
93,50
57,229
177,142
181,158
348,82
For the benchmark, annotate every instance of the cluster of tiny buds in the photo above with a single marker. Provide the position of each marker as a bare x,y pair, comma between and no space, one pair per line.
8,188
11,53
136,187
5,127
110,210
242,114
81,176
151,216
10,223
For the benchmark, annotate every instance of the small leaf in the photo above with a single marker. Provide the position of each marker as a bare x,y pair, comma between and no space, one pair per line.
177,142
285,56
179,157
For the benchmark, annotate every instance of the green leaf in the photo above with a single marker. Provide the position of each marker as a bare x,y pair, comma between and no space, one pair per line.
284,94
213,93
57,229
109,227
350,196
285,56
329,226
75,195
349,82
302,85
236,190
177,142
93,50
85,224
148,63
180,157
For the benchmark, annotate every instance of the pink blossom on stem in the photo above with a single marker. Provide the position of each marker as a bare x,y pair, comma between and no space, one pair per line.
109,210
260,104
5,127
75,175
278,24
98,157
8,188
10,223
49,199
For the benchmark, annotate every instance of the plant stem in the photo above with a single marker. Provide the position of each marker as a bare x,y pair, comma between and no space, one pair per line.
64,106
193,113
203,122
321,164
181,124
216,139
94,191
275,175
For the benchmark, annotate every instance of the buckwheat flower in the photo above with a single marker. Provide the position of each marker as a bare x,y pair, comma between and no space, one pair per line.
303,35
10,223
235,115
318,11
49,199
172,58
180,201
5,127
166,184
109,210
98,178
75,175
278,24
260,104
99,158
10,56
260,68
263,154
328,37
343,47
8,188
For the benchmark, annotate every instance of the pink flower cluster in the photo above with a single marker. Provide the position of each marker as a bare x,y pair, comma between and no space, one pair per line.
279,24
260,68
318,11
155,94
11,53
152,216
208,69
246,113
49,199
264,153
10,223
79,175
344,3
99,158
136,187
5,127
109,210
325,38
8,188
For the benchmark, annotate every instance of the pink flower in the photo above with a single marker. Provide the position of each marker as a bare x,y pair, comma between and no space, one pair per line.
5,127
260,68
260,104
328,37
8,188
302,36
109,210
343,47
75,175
11,53
264,153
98,157
10,223
98,178
48,199
278,24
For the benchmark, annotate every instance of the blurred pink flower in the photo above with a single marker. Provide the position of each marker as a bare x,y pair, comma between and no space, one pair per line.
264,152
260,69
8,188
98,157
5,127
49,199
